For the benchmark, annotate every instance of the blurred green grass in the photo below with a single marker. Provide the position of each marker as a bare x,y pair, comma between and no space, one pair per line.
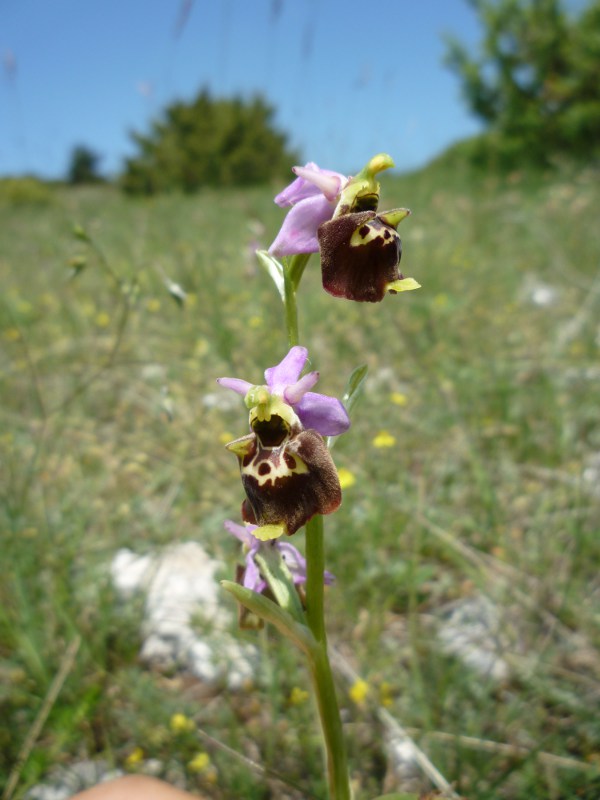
485,385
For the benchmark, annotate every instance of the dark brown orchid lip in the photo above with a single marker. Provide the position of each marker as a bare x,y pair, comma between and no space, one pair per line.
286,486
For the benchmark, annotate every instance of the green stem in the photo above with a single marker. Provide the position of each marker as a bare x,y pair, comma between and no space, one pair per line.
322,676
293,269
339,787
291,309
315,588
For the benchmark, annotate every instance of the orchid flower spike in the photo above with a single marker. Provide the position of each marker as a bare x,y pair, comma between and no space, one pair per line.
287,471
360,248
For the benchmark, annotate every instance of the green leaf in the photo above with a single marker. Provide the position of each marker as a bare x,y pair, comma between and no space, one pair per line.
277,575
77,264
274,270
355,386
297,265
269,611
80,233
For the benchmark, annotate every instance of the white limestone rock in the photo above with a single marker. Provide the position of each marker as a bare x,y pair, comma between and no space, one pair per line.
181,589
473,632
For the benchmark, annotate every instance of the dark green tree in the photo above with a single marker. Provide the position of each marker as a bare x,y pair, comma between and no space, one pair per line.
535,79
83,166
208,142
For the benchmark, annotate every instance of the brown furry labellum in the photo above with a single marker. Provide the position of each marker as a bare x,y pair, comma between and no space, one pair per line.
287,480
360,255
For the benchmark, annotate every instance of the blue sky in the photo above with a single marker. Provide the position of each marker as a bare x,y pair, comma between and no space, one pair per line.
347,78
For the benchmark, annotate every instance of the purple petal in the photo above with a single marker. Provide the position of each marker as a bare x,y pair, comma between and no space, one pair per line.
325,414
328,578
242,533
252,578
295,561
294,393
298,189
236,384
287,371
328,182
298,233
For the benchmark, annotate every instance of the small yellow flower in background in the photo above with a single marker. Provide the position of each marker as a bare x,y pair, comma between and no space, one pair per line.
192,299
298,696
153,304
181,724
134,758
255,322
346,477
12,334
202,765
385,694
200,762
226,437
201,348
440,300
399,399
384,439
102,319
359,692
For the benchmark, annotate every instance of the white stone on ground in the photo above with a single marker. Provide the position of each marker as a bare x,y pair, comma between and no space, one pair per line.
180,588
473,632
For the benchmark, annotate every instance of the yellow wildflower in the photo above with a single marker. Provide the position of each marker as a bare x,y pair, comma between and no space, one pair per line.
359,691
346,477
201,348
384,439
385,694
398,398
200,763
102,319
134,758
12,334
298,696
153,304
181,724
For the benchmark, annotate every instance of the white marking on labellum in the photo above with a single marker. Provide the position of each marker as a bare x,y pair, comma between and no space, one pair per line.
276,465
369,232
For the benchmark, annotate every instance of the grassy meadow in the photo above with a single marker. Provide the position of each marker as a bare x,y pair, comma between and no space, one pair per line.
472,469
